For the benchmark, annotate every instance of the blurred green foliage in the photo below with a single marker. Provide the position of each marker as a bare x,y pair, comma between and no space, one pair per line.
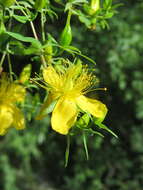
34,160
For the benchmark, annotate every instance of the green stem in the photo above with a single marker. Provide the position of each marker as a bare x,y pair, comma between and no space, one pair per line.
2,59
10,67
67,151
68,18
85,145
33,30
9,26
34,33
36,37
42,26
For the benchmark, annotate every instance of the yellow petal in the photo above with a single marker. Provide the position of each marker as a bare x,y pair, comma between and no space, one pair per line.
64,116
94,107
6,118
52,78
18,119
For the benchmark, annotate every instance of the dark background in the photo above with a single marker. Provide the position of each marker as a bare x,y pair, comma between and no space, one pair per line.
34,159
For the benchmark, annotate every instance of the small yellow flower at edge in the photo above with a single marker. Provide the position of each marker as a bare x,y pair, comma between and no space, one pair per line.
10,114
69,89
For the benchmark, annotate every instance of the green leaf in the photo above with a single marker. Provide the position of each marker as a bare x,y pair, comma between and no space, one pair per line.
22,38
2,27
107,4
102,126
74,50
50,108
22,19
83,121
46,109
94,132
17,48
3,36
40,4
67,151
85,145
85,20
109,15
25,4
34,48
7,3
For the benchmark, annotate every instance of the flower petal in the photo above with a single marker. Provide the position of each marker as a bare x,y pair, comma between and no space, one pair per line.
18,119
94,107
6,118
52,78
64,116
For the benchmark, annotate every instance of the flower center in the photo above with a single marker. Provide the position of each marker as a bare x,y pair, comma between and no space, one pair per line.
70,83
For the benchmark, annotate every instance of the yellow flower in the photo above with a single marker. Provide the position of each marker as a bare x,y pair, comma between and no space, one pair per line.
69,88
10,114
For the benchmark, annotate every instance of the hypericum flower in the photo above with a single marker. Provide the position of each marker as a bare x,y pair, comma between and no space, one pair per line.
10,114
69,87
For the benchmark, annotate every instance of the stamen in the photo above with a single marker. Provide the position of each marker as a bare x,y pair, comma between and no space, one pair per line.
105,89
32,80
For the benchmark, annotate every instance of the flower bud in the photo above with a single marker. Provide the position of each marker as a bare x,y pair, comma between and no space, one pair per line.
25,74
48,50
66,36
93,7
